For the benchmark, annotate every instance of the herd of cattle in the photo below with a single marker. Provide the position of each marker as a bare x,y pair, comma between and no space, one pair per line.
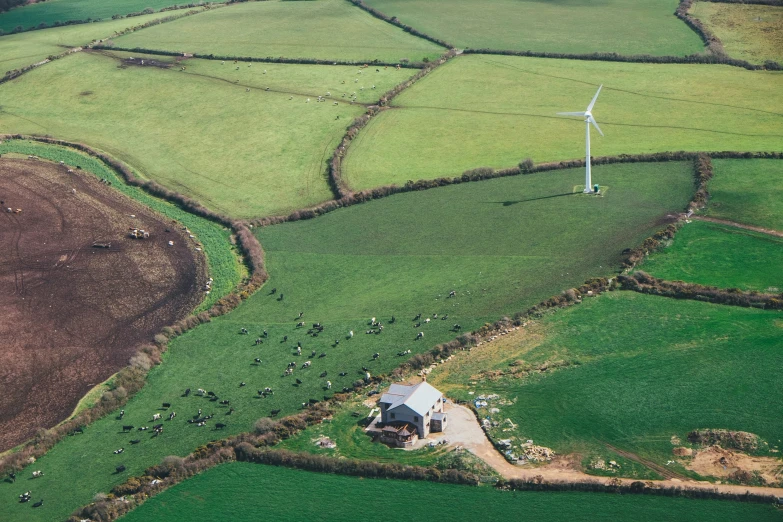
200,420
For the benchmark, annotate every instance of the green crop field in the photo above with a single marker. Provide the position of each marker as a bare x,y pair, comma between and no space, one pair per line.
722,256
748,32
748,191
20,50
199,131
454,119
558,26
642,369
495,243
51,11
222,259
249,492
322,29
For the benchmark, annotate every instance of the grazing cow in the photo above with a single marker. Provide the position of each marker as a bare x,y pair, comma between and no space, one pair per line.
418,316
288,372
306,364
211,393
323,374
156,416
118,451
285,338
298,381
241,384
427,320
219,425
201,392
167,405
38,504
225,402
257,360
37,474
12,476
343,374
268,390
230,411
273,291
391,321
375,355
298,350
275,412
322,355
259,341
417,325
434,316
328,385
367,377
346,389
419,335
187,392
157,427
122,413
143,428
312,354
266,334
135,441
281,293
457,327
300,324
119,469
336,342
444,317
127,428
452,293
172,415
350,334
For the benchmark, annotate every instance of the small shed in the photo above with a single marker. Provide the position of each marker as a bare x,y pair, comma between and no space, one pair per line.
438,422
400,434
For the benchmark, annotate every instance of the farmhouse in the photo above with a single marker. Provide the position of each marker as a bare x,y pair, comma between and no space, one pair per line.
411,412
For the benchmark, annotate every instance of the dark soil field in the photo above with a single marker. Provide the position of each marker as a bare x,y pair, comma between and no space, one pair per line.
71,314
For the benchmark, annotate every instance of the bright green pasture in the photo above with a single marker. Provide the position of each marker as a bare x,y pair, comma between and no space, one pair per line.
51,11
222,260
322,29
748,191
501,245
644,369
722,256
20,50
558,26
243,153
241,491
748,32
496,111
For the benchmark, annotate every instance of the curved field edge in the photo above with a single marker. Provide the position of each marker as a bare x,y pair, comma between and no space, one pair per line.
222,493
223,261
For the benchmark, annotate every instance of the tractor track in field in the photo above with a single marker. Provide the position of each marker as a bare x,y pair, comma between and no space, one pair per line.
661,470
752,228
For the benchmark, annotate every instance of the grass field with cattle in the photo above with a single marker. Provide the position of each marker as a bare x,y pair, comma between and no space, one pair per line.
723,256
748,32
322,29
579,27
341,275
213,133
453,120
631,371
21,50
51,11
277,494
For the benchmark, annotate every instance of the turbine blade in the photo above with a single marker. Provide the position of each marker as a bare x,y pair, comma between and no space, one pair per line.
590,107
595,124
571,113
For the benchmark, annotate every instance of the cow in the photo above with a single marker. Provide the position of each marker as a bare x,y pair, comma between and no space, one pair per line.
275,412
166,405
126,429
219,425
156,416
119,469
187,392
135,441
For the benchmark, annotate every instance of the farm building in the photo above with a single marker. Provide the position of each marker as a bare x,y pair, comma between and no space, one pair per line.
411,412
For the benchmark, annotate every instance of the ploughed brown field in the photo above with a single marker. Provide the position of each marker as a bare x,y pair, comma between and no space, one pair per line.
71,313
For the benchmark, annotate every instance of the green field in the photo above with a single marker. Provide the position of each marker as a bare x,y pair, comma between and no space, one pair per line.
558,26
51,11
20,50
322,29
494,242
748,32
643,369
496,111
722,256
748,191
198,132
223,493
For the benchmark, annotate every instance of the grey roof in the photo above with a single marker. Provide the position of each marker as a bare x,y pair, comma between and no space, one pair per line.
418,398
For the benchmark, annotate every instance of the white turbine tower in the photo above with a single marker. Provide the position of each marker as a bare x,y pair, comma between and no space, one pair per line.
588,116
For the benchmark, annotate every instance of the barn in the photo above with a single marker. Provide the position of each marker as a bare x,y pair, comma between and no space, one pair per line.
409,413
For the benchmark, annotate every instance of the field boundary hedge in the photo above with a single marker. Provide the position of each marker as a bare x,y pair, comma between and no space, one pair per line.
646,284
130,379
394,21
774,3
348,198
268,59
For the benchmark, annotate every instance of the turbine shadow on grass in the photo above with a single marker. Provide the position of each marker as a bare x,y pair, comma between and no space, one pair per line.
509,203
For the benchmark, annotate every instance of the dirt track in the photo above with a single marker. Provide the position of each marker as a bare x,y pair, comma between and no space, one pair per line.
71,314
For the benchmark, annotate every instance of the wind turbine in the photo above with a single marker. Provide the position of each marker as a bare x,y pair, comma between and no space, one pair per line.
588,116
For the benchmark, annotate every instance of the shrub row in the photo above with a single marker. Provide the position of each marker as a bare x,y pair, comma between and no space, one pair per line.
15,73
268,59
347,198
5,5
646,284
131,378
394,21
711,41
615,485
